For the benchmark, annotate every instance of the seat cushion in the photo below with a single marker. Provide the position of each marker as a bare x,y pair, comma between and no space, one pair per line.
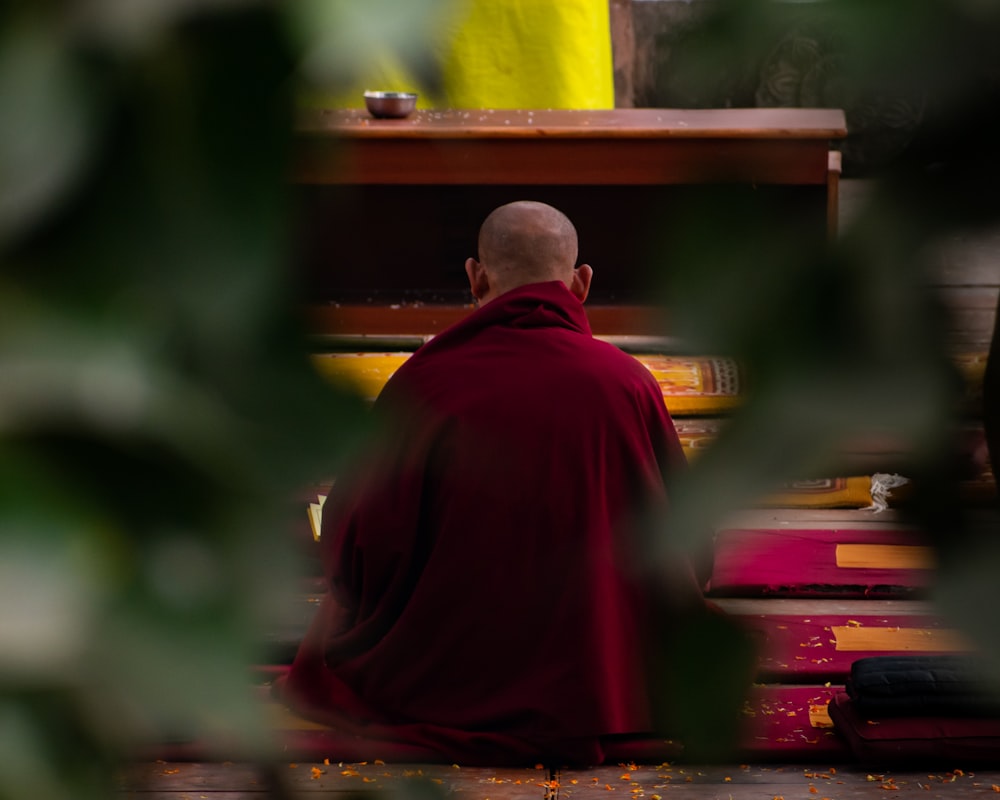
916,741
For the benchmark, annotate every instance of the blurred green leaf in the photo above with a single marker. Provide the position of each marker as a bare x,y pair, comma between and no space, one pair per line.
966,589
703,672
50,114
158,407
343,40
47,751
134,26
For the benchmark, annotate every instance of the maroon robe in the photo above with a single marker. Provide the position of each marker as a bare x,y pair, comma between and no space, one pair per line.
479,604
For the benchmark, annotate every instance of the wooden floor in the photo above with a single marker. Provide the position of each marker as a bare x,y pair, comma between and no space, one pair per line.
187,781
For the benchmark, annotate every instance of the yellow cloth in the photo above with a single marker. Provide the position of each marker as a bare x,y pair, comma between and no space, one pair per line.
366,373
699,385
531,54
508,54
697,434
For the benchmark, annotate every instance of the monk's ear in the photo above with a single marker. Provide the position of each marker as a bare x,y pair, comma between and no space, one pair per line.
479,281
580,285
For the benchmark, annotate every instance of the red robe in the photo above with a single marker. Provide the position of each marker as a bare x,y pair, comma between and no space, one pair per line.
479,604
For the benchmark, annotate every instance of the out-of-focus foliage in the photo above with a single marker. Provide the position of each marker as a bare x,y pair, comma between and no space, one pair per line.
155,406
343,40
844,343
157,411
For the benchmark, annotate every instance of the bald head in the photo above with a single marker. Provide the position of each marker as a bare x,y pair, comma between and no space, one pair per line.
525,242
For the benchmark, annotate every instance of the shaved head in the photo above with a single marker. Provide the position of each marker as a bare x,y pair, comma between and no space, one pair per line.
527,242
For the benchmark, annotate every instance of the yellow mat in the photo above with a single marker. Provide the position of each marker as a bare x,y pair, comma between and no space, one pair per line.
885,556
696,385
853,492
695,389
697,433
366,373
692,386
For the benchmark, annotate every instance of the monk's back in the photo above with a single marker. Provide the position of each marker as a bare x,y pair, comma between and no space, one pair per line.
481,603
520,615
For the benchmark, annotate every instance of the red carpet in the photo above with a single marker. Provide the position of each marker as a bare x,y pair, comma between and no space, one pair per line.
819,648
790,723
820,563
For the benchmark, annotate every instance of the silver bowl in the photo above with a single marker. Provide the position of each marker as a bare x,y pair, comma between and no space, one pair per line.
390,105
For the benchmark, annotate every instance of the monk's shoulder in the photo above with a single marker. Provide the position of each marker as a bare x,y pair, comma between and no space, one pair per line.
609,357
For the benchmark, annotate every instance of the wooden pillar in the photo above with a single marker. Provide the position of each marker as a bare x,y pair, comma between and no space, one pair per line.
623,51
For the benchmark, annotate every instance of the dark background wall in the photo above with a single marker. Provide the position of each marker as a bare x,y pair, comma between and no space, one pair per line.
935,111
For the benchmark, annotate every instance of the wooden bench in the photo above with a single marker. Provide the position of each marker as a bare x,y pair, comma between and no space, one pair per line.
390,209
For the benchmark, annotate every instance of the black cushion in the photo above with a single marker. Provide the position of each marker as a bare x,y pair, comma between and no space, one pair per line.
945,685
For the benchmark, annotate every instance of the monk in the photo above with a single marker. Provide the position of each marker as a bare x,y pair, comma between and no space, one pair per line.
482,604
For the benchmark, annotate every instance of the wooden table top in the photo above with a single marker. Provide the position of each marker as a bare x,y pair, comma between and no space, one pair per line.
628,123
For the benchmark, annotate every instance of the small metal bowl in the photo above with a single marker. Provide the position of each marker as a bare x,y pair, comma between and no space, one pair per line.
390,105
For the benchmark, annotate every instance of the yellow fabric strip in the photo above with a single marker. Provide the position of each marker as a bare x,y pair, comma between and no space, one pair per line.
819,715
884,556
851,638
853,492
531,54
366,373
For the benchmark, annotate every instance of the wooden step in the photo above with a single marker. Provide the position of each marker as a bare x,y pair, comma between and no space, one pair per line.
751,781
817,640
825,562
791,723
800,640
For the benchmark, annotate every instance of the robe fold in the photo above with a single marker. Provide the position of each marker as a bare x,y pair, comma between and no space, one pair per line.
483,601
